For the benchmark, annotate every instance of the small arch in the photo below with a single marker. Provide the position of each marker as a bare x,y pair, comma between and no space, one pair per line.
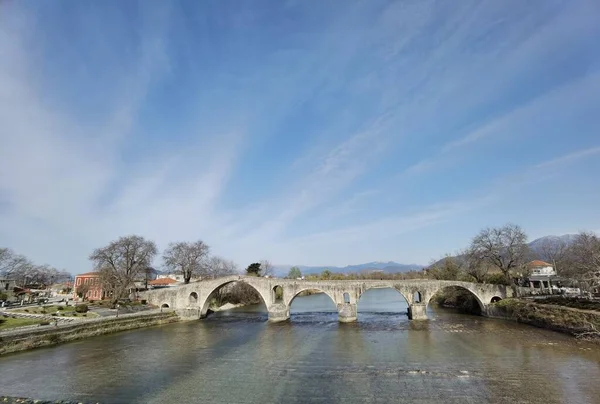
495,299
277,294
346,298
193,299
417,297
164,306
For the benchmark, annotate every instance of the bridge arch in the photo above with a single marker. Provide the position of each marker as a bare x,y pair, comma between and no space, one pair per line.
289,299
205,303
277,294
461,285
367,288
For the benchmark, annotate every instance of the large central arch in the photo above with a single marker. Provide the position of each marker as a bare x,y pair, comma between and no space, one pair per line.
204,305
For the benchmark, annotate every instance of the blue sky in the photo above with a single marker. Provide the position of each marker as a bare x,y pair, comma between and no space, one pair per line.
327,133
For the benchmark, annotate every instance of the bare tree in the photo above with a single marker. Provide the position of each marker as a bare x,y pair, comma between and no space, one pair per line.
554,252
82,290
217,266
476,266
187,258
584,259
121,262
12,264
503,247
266,269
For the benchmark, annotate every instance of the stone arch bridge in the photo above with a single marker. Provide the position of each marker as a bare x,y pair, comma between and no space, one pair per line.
192,301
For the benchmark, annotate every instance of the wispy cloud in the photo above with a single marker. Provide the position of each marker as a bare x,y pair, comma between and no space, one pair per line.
335,137
570,158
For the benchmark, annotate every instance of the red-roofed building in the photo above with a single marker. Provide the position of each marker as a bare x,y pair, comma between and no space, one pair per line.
538,267
89,283
162,283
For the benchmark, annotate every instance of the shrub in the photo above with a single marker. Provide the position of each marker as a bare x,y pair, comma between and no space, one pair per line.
54,314
81,308
26,310
91,301
84,315
74,314
498,279
54,338
60,308
144,301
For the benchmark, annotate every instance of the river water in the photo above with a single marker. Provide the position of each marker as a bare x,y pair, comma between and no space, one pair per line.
238,357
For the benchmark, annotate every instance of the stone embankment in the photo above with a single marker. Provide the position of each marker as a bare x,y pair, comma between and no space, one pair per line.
22,339
583,324
21,400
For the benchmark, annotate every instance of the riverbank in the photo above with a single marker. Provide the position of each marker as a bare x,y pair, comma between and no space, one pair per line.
42,336
582,324
21,400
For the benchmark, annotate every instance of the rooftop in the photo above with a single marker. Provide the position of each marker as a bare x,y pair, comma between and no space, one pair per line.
162,282
538,263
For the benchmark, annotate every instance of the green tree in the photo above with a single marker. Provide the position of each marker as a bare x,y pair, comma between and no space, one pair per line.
253,269
326,274
294,273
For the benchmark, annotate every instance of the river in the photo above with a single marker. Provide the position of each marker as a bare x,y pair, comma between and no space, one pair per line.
238,357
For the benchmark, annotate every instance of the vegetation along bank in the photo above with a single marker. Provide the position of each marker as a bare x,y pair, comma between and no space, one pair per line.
20,340
581,323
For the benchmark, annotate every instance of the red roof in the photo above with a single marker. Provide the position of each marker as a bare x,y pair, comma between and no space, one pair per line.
88,274
538,263
162,282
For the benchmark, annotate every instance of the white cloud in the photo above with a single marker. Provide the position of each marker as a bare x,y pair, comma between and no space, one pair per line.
569,158
415,79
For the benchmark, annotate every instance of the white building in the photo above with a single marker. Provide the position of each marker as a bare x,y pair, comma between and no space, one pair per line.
175,277
541,276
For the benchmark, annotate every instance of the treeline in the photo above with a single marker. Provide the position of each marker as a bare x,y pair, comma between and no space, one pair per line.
25,272
500,255
326,274
129,258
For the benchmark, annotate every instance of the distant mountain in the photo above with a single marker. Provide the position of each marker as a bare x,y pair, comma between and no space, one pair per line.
390,266
537,244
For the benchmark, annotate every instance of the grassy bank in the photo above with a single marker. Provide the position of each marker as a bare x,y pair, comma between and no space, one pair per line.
20,340
583,324
7,323
55,310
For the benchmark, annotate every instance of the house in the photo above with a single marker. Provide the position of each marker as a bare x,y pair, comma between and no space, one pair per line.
90,284
542,274
163,283
175,277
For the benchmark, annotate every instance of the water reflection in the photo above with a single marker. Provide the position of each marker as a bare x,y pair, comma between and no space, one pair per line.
237,356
